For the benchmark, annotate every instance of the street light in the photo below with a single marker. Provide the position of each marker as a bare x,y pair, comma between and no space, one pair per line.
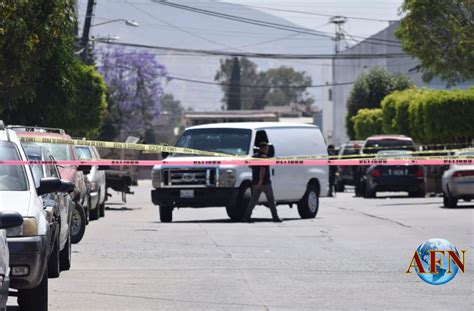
128,22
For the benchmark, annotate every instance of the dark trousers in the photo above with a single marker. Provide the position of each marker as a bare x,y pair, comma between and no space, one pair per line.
256,192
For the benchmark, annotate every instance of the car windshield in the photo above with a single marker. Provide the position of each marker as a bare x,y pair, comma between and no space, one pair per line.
12,177
33,154
230,141
60,152
84,153
466,154
394,154
350,150
375,145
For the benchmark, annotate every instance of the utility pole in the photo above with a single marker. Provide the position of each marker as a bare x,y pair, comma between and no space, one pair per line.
87,28
339,22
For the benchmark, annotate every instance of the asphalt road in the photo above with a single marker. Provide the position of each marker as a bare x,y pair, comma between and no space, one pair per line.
352,256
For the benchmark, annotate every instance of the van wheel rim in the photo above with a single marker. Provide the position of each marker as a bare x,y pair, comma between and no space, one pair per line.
312,201
76,222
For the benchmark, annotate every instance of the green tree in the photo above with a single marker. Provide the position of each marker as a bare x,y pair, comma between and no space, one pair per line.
173,107
258,91
41,80
367,122
30,33
441,35
234,102
248,76
369,90
292,88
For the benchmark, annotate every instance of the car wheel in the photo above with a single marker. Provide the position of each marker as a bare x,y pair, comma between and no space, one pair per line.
65,256
236,211
78,223
166,212
102,209
359,188
54,268
417,194
369,192
340,187
450,202
94,214
308,206
35,299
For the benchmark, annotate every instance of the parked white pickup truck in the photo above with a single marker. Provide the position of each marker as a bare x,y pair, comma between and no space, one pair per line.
230,185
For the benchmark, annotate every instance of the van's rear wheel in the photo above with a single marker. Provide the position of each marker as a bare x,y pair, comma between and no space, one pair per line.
309,204
236,210
166,212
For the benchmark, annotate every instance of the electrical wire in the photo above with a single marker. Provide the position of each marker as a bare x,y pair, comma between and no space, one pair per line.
260,55
261,23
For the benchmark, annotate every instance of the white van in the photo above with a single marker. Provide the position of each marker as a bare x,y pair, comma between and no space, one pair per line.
230,185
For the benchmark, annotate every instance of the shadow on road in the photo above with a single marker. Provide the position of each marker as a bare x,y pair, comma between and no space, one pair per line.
459,207
406,204
218,221
120,209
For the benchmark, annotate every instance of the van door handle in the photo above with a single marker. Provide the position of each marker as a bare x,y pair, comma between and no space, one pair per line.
273,172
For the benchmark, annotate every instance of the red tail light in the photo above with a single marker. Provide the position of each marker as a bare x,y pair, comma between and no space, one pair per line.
463,173
420,172
376,173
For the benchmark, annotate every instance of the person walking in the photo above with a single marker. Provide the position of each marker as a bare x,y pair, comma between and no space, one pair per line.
332,171
261,183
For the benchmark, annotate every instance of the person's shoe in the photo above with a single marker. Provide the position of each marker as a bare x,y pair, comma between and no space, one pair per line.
277,219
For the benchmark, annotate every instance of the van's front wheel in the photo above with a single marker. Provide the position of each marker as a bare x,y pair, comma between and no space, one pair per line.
166,212
309,204
236,210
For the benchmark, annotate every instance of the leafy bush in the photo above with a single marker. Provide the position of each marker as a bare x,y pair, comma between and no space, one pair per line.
430,116
367,122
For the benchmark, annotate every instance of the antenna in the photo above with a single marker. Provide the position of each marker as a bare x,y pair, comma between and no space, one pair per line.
339,22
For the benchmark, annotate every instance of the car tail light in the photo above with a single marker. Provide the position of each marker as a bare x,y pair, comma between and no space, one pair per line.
376,173
420,172
463,173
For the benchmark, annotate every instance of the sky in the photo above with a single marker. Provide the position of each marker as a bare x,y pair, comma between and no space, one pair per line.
375,9
165,26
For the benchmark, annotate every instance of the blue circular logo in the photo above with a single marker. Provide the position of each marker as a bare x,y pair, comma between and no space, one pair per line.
436,258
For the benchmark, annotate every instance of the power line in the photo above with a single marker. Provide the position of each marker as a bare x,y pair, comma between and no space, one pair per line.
260,55
259,86
263,23
314,13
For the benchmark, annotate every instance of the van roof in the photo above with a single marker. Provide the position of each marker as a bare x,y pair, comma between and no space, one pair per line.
253,125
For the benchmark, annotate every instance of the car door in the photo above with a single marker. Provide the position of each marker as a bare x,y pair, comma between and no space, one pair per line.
64,202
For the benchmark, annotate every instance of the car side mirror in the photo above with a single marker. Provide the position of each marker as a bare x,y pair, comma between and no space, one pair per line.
86,169
49,185
10,220
67,186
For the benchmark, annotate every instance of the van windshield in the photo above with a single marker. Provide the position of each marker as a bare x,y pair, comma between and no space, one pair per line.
222,140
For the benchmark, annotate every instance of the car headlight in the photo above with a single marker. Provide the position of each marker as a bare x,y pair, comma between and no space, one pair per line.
227,178
28,228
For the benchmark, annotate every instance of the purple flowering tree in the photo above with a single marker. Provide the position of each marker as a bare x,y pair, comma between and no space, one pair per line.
134,82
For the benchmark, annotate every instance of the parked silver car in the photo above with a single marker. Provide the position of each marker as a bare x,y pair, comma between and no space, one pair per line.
7,220
458,181
59,206
96,180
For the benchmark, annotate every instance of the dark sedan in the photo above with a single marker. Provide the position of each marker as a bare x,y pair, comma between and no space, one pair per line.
384,178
